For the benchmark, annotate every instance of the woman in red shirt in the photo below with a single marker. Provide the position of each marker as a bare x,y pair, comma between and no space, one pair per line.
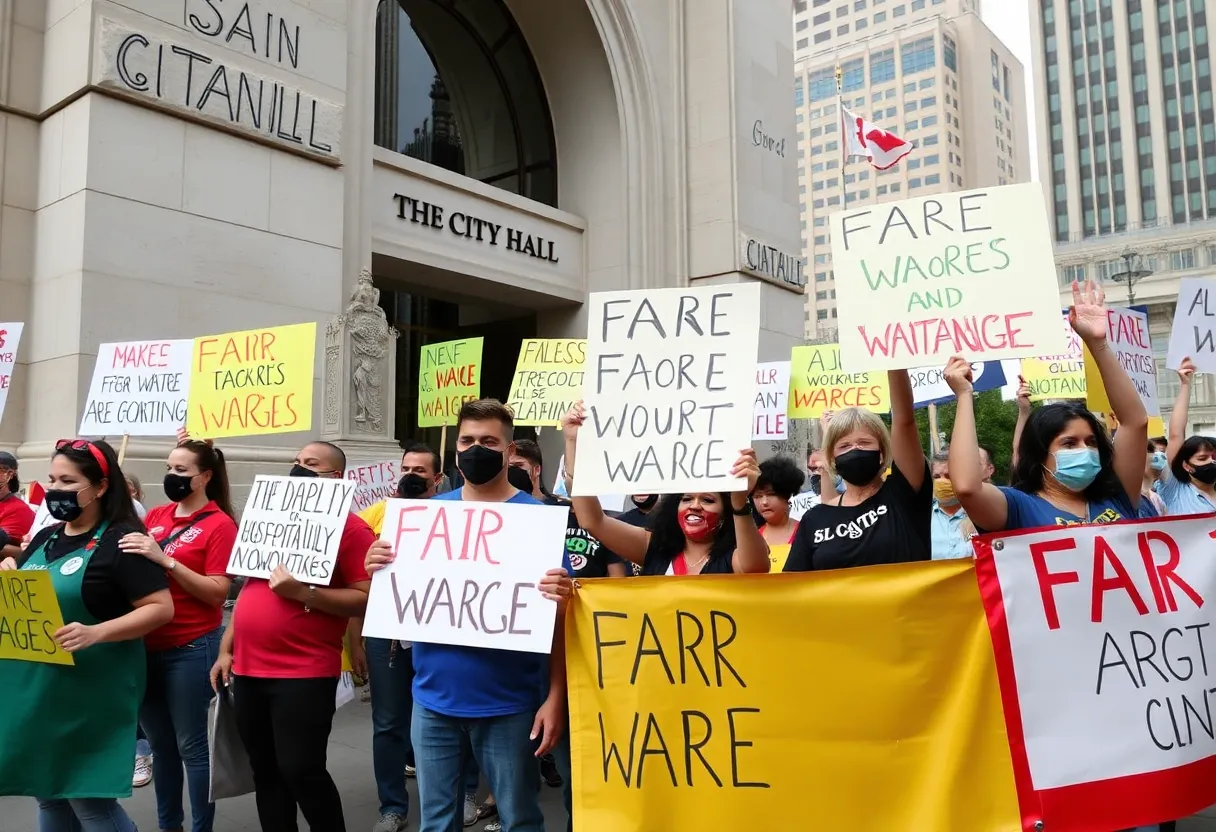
191,539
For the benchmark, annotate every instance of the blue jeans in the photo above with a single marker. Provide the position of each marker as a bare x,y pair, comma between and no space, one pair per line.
504,753
90,814
390,669
174,716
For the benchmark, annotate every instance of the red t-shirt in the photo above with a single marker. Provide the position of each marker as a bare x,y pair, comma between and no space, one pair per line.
275,638
16,518
204,548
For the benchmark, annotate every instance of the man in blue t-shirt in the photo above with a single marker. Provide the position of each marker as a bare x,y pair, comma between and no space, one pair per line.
509,706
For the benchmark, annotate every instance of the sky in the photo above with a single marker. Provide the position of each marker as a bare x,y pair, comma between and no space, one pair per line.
1010,19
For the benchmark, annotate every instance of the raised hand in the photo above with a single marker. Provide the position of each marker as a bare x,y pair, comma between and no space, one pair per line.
959,376
1088,312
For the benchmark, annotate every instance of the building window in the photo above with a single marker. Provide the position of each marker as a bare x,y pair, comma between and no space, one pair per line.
918,55
801,26
912,163
803,43
880,17
914,182
931,159
842,30
898,11
821,314
1182,259
882,68
917,5
949,53
933,179
929,101
928,121
853,75
823,36
822,84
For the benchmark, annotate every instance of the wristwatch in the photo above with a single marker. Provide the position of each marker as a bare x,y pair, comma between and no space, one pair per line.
170,564
746,511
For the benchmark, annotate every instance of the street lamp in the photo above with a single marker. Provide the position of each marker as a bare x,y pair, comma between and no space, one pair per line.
1133,272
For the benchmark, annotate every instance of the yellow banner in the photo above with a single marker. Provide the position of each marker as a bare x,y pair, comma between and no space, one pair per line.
254,382
30,617
866,697
449,374
548,379
817,383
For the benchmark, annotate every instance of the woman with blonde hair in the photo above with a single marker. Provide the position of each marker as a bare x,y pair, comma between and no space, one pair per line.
877,519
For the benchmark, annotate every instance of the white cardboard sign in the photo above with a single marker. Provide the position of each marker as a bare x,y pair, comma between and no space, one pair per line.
770,420
293,521
800,504
139,388
10,339
1194,332
374,481
465,573
670,380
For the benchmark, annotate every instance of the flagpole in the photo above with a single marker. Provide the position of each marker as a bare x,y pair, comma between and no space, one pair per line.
844,140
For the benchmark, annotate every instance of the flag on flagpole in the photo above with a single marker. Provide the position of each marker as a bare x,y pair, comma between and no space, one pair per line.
863,138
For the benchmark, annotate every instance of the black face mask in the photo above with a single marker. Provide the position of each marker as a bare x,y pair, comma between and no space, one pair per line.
298,470
858,466
178,487
480,464
63,505
648,503
412,486
520,478
1206,474
816,483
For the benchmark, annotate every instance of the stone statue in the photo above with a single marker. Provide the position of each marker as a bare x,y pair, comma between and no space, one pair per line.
370,336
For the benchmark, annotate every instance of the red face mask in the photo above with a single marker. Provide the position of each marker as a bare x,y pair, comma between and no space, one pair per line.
702,530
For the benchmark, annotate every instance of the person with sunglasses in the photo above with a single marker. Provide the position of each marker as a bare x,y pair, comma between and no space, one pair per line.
67,730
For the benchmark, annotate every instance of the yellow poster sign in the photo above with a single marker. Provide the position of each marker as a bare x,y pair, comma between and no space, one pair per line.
818,383
254,382
868,696
449,374
30,617
1057,376
548,379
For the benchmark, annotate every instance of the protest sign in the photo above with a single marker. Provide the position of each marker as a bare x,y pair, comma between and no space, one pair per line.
819,383
30,617
548,380
251,383
1127,335
929,383
686,711
922,279
139,388
42,518
466,573
295,522
449,374
1194,332
772,400
800,504
10,339
374,481
1060,376
671,373
1101,635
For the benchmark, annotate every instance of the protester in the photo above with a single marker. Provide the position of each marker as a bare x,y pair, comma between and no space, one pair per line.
388,665
282,653
1188,484
690,534
507,707
1151,505
16,516
1068,470
876,519
640,515
1024,408
780,479
66,735
191,539
814,469
137,495
950,534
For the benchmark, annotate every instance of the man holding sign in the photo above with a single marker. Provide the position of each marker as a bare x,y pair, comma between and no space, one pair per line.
509,704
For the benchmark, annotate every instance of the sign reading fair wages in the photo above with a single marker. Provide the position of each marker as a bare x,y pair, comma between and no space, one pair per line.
30,617
449,374
670,380
139,388
548,379
922,279
466,573
10,338
295,522
1102,636
1194,331
772,397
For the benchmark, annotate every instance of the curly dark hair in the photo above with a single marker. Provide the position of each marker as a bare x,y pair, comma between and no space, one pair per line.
1045,424
667,538
782,476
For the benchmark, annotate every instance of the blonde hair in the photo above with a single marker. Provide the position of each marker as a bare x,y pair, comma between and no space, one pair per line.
848,420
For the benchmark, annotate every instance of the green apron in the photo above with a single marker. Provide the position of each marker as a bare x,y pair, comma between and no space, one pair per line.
69,732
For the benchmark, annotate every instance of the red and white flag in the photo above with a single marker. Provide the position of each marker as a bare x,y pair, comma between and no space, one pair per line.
863,138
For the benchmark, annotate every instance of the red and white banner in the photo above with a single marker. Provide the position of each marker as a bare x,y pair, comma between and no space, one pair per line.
1101,635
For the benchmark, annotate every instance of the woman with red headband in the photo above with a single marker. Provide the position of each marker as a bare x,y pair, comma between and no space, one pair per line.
66,730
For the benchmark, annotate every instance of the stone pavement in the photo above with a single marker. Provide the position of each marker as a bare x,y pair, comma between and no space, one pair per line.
350,761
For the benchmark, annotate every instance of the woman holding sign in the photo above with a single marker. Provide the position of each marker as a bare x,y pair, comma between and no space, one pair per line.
190,539
66,730
689,534
1188,482
1068,470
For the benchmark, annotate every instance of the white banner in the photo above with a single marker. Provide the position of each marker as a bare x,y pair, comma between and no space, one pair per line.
466,573
374,481
669,377
1194,331
293,521
10,339
770,420
139,388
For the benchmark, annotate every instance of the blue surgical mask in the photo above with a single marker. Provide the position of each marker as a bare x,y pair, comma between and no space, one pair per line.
839,484
1077,468
1159,461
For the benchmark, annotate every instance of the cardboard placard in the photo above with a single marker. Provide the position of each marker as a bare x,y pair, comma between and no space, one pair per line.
449,374
10,339
30,617
929,383
140,388
374,481
548,380
1060,376
769,420
819,383
1127,334
1194,332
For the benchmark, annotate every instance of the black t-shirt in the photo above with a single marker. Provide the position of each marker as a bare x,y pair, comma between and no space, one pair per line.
114,580
890,527
636,517
588,556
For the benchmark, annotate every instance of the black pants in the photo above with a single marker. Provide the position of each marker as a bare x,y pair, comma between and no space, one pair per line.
285,725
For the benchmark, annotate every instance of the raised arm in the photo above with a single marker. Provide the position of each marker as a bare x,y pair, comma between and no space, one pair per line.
905,438
1182,405
983,502
1023,417
751,549
1089,319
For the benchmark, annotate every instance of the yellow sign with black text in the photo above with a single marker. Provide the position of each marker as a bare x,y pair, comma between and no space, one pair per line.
30,617
867,697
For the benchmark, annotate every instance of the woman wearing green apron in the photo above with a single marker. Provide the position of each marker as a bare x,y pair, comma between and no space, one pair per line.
65,732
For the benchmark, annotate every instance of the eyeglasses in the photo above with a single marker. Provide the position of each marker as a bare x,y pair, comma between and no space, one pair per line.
85,445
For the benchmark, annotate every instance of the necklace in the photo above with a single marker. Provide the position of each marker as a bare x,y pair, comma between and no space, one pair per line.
691,566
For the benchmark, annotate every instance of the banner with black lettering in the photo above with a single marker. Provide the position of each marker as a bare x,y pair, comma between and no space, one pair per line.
1101,635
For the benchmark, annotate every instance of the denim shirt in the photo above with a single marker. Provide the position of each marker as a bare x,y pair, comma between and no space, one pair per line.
946,534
